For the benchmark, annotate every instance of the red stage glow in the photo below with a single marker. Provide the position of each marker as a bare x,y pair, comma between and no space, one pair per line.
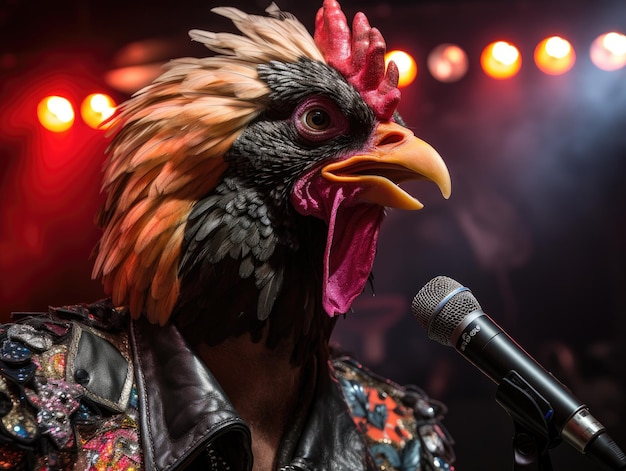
48,192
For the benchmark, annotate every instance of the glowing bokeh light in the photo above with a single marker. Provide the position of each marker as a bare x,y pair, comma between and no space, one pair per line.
501,60
55,113
447,63
132,78
406,66
608,51
97,108
554,55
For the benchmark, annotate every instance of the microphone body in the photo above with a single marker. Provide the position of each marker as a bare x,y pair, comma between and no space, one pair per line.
452,316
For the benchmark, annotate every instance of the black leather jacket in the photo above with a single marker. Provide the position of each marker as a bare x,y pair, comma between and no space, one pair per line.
131,395
191,414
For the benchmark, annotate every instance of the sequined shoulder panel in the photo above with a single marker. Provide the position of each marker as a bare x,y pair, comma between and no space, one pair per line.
67,396
401,425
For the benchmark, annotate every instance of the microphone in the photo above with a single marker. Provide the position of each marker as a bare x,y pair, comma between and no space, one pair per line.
451,315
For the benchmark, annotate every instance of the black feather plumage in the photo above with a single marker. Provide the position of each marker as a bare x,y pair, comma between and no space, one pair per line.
250,261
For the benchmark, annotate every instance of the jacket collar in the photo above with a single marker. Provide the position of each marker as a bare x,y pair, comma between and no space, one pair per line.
329,438
183,409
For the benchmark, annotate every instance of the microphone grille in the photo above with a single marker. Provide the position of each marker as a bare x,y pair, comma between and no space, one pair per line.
440,316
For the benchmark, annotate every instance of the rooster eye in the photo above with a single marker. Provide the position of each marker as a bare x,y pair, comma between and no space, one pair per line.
319,119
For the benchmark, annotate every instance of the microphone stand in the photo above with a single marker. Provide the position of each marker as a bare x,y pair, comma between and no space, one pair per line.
531,414
529,451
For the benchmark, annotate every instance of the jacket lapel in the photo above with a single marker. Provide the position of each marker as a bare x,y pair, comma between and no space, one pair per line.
330,440
183,408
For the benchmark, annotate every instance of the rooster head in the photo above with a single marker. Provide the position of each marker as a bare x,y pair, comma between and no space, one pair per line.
245,190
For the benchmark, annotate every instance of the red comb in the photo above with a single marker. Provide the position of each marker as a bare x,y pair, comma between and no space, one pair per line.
359,56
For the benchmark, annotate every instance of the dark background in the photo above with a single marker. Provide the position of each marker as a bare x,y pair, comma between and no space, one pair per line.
535,225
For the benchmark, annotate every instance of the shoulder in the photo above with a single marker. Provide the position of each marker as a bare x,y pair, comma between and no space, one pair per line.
66,388
401,424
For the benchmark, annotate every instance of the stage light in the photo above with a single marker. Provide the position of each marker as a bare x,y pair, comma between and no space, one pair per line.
55,113
608,51
96,108
447,63
554,55
406,66
501,60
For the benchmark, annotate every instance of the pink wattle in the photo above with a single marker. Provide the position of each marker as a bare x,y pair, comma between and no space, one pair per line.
353,228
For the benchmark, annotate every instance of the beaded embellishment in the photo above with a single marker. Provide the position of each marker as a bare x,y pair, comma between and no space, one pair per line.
48,419
401,425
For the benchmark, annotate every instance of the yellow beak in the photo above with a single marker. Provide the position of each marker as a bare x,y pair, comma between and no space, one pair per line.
396,156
